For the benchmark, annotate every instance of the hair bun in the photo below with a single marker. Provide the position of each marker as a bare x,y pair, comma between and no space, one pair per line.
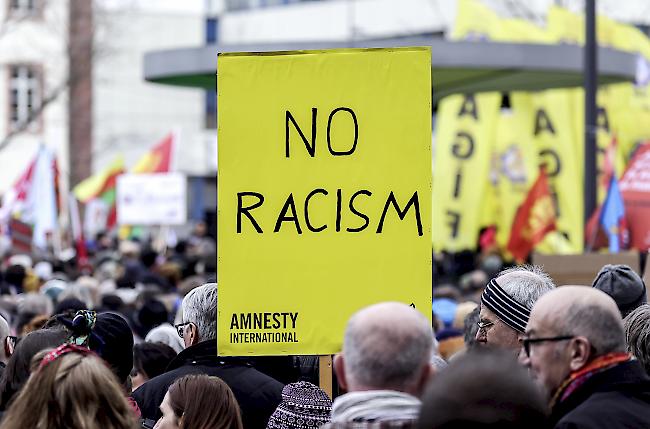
81,325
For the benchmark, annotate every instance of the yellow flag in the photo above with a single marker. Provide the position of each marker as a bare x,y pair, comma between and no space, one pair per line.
550,129
517,162
465,126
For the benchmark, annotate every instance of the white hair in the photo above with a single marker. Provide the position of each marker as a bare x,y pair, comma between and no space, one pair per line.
383,354
200,307
526,283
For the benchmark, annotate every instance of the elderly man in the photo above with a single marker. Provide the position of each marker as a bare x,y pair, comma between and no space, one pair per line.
384,365
257,394
8,344
575,349
506,303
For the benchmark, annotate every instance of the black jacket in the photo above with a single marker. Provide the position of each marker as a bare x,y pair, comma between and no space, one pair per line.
615,398
258,395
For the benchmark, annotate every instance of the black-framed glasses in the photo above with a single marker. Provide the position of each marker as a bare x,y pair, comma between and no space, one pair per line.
526,342
482,326
180,328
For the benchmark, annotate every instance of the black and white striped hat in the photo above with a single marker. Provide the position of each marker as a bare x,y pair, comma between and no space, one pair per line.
509,311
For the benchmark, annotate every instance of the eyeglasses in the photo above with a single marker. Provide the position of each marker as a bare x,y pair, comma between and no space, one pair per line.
482,326
526,342
180,328
13,339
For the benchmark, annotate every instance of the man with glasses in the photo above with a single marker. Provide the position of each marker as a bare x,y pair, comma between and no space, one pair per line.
574,347
506,303
258,395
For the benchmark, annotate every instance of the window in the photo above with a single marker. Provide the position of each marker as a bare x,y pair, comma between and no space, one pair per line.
24,8
211,30
24,95
211,109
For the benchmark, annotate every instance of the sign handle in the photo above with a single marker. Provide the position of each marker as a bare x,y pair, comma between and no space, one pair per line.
325,374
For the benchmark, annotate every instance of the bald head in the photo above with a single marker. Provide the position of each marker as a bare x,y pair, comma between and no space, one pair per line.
583,311
386,346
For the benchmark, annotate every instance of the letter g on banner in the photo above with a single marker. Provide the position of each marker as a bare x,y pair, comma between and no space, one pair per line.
463,146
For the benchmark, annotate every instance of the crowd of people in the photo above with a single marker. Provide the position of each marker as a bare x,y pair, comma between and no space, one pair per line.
130,342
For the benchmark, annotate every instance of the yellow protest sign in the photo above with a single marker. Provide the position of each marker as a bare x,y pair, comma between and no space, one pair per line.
324,193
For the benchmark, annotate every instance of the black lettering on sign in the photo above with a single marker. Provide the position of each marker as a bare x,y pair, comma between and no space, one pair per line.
338,210
543,122
468,107
602,119
356,131
555,198
307,222
233,322
460,150
457,182
356,212
454,222
288,205
402,213
246,210
311,149
551,161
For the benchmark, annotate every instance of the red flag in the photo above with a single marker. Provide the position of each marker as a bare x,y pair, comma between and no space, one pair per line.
534,219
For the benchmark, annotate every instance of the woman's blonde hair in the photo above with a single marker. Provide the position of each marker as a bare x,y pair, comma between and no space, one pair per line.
73,390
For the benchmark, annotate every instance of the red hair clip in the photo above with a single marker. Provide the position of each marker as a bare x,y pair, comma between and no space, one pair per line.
62,350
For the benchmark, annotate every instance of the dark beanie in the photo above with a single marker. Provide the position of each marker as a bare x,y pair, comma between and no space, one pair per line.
624,286
153,313
113,342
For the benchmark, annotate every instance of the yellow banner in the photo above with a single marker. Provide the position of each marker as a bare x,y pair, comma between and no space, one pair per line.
324,193
465,126
551,130
516,162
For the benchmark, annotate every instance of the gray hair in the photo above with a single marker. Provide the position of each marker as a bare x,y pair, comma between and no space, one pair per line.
382,354
200,307
602,328
526,283
637,334
34,303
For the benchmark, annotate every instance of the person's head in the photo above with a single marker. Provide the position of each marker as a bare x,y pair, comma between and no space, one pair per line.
387,346
71,388
7,348
108,335
15,275
199,402
166,334
568,328
471,327
18,367
480,389
303,405
506,303
637,334
625,287
199,315
149,360
152,313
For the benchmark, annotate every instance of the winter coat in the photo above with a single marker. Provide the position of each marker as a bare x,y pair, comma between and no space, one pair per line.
618,397
258,395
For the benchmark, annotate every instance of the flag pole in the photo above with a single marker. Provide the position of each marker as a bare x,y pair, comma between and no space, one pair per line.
591,89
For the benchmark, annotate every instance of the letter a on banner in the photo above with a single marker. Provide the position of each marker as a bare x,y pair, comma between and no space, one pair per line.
324,199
